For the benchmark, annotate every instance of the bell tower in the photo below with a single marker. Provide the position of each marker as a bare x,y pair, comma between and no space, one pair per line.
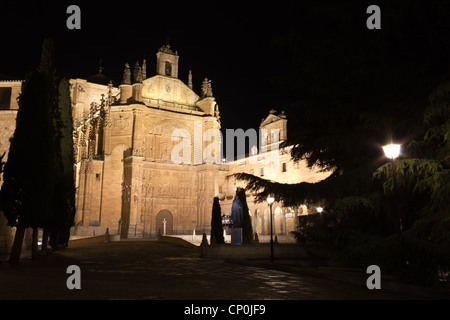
167,62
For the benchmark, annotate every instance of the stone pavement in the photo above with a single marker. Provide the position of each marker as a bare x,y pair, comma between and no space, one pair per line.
162,271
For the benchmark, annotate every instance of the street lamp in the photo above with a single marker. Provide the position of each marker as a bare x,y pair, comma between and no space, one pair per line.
392,151
319,209
270,200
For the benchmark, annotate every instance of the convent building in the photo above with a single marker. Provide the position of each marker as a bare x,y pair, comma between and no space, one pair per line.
127,181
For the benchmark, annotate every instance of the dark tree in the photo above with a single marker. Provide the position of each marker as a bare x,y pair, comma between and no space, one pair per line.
64,200
2,164
349,91
24,189
216,223
32,187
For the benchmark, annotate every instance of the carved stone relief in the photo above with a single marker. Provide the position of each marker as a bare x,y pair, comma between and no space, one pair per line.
121,125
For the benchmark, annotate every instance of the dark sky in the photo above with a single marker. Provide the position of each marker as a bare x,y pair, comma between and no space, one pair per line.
229,42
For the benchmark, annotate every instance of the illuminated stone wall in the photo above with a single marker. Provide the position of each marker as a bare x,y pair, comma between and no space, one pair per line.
126,178
272,163
7,126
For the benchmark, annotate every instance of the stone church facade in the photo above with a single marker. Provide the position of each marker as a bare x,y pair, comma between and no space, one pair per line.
125,136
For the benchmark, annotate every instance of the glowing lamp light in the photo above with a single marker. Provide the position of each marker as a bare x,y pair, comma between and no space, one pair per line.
319,209
392,151
270,199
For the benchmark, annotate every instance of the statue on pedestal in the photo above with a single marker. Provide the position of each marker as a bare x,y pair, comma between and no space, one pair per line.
236,218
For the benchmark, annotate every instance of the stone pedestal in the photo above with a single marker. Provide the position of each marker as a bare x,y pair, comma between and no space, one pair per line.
236,236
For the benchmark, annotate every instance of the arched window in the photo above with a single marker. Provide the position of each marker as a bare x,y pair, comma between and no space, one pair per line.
275,136
164,222
168,68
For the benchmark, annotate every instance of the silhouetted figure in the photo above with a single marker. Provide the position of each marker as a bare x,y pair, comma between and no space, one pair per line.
236,217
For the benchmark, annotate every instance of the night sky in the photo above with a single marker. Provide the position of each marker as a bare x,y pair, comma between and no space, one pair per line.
229,42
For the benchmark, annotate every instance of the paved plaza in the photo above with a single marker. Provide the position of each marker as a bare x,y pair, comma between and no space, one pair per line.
163,271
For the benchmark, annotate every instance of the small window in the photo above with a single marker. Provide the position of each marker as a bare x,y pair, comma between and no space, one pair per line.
97,176
5,97
264,140
168,68
262,172
94,223
284,167
275,136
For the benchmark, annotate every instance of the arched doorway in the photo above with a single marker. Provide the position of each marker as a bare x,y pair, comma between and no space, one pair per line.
278,222
164,217
266,221
257,222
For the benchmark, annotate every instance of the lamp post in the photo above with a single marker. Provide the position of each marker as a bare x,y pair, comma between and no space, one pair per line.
392,151
270,200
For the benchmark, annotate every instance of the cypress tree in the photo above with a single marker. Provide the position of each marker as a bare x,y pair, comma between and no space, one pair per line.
216,223
23,191
34,186
50,163
64,197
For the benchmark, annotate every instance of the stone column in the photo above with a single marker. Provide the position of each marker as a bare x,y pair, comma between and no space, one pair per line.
137,92
126,93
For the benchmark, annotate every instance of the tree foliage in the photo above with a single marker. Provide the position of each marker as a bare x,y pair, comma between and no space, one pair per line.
63,208
38,189
349,92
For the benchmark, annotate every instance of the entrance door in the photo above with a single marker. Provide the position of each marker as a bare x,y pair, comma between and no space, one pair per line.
164,222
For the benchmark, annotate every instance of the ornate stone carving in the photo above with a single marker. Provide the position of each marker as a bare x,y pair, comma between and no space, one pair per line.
166,49
137,75
206,88
126,75
121,124
166,148
190,80
144,70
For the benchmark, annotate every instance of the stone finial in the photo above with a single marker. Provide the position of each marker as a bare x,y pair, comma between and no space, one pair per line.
166,49
100,68
126,75
144,70
110,96
137,73
91,152
190,80
207,88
